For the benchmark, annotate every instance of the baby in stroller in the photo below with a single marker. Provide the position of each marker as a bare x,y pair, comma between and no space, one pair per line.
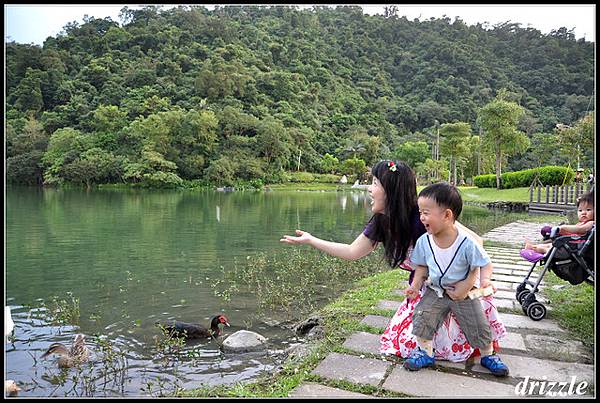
585,214
570,256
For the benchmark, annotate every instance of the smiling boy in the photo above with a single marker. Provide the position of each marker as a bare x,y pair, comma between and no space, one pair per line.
448,258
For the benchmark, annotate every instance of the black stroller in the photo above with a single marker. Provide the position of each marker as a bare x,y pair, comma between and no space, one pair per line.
571,258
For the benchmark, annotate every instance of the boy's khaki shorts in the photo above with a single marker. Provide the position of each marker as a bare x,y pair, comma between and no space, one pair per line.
431,311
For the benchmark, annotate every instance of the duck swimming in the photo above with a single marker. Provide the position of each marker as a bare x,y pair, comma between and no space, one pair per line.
69,358
196,331
11,388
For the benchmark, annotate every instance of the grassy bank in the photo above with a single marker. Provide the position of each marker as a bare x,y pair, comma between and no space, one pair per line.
573,309
342,317
487,195
312,186
572,306
468,193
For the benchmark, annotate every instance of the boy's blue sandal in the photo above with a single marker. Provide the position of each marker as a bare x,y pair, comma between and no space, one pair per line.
495,365
418,359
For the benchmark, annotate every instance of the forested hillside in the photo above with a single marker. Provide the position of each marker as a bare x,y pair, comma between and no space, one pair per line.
162,98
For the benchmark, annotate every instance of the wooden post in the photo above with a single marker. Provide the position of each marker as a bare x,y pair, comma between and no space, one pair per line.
539,193
560,195
573,194
555,195
547,194
531,193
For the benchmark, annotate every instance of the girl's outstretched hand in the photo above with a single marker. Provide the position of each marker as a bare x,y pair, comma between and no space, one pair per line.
302,238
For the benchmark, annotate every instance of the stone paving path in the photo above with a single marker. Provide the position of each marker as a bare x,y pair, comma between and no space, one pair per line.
533,350
515,232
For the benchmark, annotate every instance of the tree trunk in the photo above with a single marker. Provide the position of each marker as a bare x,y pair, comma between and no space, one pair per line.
454,163
498,168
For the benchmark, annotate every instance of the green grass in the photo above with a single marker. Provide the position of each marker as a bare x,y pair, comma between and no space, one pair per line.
486,195
342,317
572,306
312,186
468,193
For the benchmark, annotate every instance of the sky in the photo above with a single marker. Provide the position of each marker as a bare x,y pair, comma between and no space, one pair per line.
29,23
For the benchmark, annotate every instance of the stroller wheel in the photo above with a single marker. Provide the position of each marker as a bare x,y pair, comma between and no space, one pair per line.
521,295
527,300
521,287
536,311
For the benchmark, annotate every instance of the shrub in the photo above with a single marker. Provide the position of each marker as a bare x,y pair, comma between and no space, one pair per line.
548,175
485,181
327,178
301,177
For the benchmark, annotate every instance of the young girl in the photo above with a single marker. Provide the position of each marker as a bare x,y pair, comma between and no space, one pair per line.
585,214
396,224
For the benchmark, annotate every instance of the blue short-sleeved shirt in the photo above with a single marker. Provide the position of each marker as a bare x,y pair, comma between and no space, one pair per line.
468,256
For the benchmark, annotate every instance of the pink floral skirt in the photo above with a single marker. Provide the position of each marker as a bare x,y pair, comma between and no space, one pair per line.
449,342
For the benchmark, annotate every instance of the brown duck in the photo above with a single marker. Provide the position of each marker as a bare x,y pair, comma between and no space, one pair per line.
11,388
77,354
197,331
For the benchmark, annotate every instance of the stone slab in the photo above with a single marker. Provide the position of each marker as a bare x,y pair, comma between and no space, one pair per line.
512,256
499,270
428,382
506,304
462,365
508,279
376,321
311,390
560,349
539,369
363,342
503,285
512,266
353,369
504,294
505,249
513,341
522,322
389,305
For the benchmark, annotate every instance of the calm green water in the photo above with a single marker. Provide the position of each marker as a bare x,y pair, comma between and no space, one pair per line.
137,257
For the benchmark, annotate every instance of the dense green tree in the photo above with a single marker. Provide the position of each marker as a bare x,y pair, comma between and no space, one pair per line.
329,164
413,153
577,141
285,87
65,146
454,144
28,94
354,167
498,120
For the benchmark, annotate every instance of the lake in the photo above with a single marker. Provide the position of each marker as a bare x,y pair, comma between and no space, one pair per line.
136,257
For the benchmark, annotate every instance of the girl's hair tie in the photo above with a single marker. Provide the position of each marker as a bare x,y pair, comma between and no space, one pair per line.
391,166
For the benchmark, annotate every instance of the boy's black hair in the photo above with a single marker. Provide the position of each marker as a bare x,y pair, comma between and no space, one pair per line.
587,198
445,195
